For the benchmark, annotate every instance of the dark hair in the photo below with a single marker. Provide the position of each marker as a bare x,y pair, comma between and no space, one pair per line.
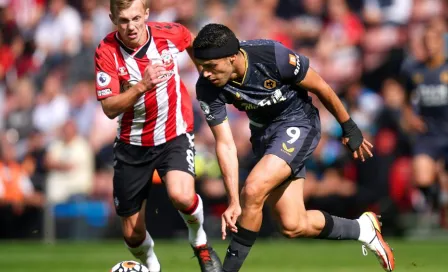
213,36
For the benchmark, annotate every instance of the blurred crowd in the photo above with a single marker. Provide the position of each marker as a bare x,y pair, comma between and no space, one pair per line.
57,143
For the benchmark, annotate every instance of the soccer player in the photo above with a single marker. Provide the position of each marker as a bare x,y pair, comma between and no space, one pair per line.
270,83
428,80
137,80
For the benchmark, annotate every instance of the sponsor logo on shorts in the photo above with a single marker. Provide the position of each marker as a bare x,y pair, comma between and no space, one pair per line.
287,150
190,153
190,137
116,202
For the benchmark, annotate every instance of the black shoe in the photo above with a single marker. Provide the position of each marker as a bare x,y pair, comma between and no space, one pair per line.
207,258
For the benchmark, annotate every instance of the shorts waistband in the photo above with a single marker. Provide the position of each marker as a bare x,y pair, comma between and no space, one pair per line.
256,124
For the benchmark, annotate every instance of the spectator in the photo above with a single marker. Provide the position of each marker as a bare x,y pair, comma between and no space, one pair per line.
70,166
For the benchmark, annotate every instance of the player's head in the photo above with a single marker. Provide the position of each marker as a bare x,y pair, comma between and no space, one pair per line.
215,49
433,37
130,18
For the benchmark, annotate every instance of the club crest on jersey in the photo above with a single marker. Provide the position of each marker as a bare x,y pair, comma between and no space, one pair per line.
102,79
417,78
444,77
122,71
270,84
167,58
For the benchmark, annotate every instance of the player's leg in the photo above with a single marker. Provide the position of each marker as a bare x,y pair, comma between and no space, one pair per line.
443,177
138,240
425,175
259,184
177,171
294,220
280,143
131,184
424,166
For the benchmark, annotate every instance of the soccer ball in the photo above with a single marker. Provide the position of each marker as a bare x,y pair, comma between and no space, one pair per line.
129,266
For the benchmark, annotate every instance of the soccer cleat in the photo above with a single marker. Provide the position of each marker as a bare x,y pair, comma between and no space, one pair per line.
207,258
373,240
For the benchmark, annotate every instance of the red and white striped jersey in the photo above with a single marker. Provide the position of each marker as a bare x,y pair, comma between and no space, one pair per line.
160,114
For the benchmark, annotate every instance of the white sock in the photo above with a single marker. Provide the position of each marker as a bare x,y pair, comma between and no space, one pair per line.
145,253
366,230
194,222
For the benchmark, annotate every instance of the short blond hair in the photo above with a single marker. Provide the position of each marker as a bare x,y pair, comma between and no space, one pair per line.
117,5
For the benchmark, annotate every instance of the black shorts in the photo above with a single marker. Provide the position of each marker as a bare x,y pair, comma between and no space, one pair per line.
434,146
292,140
134,168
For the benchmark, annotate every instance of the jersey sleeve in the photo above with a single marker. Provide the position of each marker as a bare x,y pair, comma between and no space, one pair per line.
291,66
405,77
107,82
212,106
178,34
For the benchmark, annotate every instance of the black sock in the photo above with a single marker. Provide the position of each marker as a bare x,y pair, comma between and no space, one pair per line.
431,195
238,249
337,228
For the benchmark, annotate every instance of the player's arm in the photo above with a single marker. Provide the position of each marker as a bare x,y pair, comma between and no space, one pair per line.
294,69
116,105
410,119
113,102
227,159
315,84
214,109
228,162
352,136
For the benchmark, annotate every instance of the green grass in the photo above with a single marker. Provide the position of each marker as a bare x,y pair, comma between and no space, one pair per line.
278,255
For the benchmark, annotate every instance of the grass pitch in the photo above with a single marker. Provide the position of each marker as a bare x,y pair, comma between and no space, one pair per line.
176,256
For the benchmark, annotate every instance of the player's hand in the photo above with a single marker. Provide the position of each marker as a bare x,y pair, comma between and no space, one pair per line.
364,148
228,219
416,123
153,75
354,140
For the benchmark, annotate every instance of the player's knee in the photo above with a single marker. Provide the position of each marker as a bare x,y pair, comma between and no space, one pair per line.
294,228
252,196
423,179
424,171
182,200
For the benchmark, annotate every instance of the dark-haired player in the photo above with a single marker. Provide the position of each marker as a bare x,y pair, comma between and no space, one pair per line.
271,83
428,81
